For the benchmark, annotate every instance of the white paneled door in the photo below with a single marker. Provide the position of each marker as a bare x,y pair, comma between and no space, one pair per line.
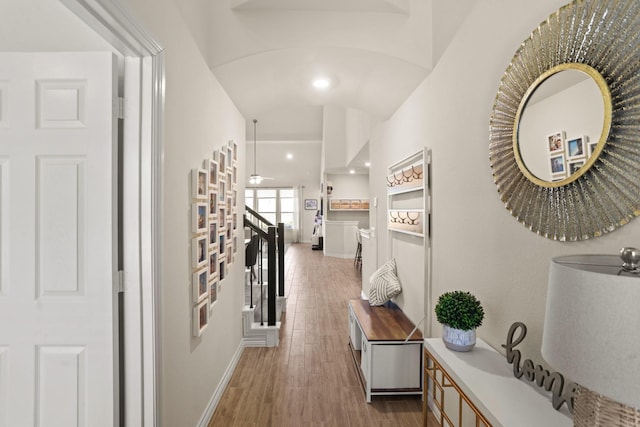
57,223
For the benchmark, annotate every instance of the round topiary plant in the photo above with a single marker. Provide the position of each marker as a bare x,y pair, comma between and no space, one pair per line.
459,310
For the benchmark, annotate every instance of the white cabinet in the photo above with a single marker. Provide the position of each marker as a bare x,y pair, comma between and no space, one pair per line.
385,363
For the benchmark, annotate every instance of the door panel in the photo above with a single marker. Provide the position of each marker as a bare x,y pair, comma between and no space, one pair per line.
57,256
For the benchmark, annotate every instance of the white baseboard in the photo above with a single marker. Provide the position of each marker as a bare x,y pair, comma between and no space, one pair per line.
222,386
339,255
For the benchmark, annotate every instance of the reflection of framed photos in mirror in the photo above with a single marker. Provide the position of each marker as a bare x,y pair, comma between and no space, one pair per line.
555,142
556,163
591,146
558,177
574,166
576,148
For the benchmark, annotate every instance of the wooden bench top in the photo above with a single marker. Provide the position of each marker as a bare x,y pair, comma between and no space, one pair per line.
383,323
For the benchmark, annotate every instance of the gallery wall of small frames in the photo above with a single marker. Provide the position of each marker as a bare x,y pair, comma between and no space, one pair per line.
214,230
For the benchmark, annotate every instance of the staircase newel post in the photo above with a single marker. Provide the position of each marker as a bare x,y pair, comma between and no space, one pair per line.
281,259
271,276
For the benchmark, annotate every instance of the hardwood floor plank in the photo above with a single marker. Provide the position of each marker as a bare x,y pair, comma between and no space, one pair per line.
309,379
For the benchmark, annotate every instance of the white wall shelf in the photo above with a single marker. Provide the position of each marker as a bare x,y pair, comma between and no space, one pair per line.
348,204
408,201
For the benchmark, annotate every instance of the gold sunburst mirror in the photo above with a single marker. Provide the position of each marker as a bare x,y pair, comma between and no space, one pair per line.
565,127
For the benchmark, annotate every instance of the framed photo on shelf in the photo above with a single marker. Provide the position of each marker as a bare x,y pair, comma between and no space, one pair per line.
199,214
555,142
311,204
199,184
199,246
576,148
200,284
200,317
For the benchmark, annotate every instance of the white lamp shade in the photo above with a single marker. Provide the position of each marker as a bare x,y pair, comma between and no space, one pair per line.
592,325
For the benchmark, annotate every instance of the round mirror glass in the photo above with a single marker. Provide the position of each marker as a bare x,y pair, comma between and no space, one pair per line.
563,123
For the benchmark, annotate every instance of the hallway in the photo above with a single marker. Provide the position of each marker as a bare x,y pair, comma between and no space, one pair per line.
309,380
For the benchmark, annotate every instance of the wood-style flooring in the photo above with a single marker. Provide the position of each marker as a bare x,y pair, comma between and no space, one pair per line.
309,380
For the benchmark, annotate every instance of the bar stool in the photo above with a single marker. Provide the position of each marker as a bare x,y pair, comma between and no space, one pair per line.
357,261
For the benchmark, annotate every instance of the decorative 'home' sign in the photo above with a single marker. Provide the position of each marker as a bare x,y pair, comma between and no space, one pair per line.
551,381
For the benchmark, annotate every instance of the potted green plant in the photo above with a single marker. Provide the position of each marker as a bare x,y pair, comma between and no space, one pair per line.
460,313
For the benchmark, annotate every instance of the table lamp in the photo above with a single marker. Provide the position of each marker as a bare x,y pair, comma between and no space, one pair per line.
592,334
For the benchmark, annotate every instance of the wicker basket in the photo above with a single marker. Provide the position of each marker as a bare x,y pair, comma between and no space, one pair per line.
591,409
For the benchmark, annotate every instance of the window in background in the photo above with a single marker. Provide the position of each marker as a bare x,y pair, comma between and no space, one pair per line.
287,207
274,204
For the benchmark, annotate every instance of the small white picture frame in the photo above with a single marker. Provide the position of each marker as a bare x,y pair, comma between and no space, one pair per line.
199,184
201,317
199,215
199,251
212,166
200,284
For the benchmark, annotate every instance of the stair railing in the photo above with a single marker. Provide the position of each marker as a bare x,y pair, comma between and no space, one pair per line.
274,237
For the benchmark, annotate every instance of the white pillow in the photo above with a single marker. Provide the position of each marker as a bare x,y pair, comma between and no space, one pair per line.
384,284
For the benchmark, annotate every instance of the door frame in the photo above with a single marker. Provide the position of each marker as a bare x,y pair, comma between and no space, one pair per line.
144,175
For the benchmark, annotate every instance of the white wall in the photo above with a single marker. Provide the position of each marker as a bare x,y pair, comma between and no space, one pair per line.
477,245
199,118
334,141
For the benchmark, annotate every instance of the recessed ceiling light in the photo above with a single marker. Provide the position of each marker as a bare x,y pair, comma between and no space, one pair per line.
367,164
289,156
321,83
352,171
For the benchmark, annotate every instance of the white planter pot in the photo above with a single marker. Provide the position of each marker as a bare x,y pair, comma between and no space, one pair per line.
457,339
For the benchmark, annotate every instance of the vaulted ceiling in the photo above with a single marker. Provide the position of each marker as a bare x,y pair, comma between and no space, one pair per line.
266,53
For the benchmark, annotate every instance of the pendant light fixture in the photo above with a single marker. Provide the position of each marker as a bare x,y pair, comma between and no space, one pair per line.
254,178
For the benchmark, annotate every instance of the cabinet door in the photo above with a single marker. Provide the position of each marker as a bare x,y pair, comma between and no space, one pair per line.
395,366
